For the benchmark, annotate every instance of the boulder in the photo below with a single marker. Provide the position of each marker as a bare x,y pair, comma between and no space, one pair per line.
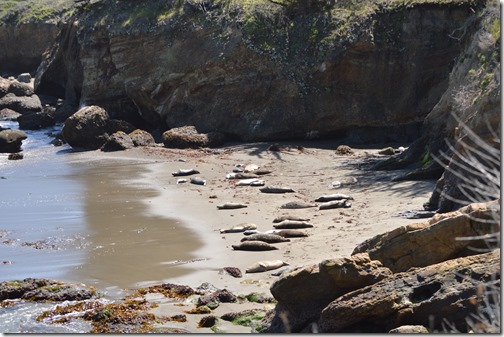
115,125
11,140
21,104
188,137
8,115
44,290
4,86
117,142
442,293
303,292
24,78
460,234
21,89
87,128
142,138
64,111
36,120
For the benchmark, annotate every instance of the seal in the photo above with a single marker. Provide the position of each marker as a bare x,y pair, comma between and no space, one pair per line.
263,266
291,233
250,168
289,217
268,238
335,204
187,172
297,205
181,181
250,182
198,181
254,246
331,197
292,224
239,228
262,171
231,205
241,176
276,189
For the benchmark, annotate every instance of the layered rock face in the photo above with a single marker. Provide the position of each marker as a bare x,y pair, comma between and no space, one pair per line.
254,73
437,272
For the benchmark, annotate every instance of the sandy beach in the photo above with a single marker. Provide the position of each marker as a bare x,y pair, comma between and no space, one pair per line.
309,168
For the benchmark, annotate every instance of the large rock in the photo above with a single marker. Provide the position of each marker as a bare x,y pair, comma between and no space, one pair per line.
142,138
431,296
20,89
21,104
460,234
188,137
44,290
36,120
262,71
11,140
118,141
304,292
87,128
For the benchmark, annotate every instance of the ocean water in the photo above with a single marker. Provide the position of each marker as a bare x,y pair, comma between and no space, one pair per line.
71,217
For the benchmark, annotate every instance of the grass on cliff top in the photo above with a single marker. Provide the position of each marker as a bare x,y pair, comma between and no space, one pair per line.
21,11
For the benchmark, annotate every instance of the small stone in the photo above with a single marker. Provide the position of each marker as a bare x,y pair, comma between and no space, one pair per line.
207,321
344,150
15,156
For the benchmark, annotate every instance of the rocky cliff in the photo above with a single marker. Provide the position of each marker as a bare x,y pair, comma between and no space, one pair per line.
263,69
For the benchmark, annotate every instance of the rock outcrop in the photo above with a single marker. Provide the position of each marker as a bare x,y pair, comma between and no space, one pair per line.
253,72
423,274
463,129
11,140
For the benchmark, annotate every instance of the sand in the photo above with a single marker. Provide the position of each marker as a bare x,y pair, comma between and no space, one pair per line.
309,168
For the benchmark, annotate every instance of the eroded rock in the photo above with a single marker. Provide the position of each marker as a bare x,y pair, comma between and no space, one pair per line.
189,137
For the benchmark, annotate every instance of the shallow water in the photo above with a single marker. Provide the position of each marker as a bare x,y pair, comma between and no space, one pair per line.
66,217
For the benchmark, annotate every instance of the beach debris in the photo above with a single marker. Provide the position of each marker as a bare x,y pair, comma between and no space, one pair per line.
290,217
331,197
250,182
263,266
335,204
291,233
276,189
254,246
297,205
233,271
231,205
240,228
198,181
268,238
292,224
182,172
344,150
181,181
344,182
240,176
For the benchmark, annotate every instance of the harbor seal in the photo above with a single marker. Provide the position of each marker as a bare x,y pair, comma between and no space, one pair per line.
276,189
291,233
331,197
263,266
198,181
239,228
254,246
292,224
187,172
250,182
289,217
231,205
268,238
297,205
335,204
241,176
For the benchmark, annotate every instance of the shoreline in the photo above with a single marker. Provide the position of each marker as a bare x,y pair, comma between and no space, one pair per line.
310,171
